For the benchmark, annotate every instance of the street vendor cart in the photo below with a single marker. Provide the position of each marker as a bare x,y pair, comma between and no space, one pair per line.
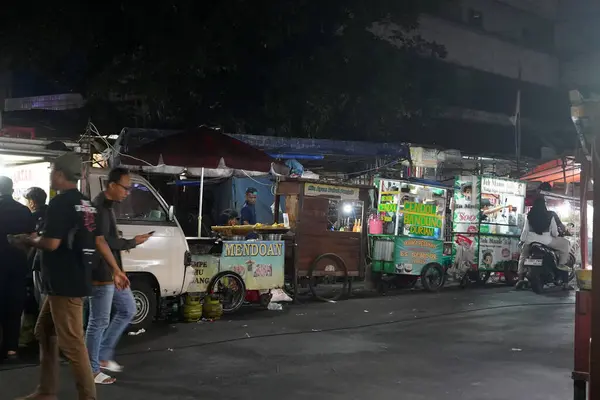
326,247
407,234
236,270
487,222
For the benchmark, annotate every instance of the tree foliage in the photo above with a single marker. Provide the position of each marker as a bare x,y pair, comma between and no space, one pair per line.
287,67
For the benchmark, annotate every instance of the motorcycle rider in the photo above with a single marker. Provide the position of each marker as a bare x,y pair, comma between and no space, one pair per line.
542,227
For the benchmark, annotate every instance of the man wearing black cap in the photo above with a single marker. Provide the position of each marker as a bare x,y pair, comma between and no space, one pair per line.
15,218
68,245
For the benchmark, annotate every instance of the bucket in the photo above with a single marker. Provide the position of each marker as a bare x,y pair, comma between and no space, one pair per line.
584,279
375,226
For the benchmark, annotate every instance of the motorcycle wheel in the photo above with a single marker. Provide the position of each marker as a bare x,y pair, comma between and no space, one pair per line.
535,280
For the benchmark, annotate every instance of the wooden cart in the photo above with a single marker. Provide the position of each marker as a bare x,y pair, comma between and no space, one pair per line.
326,247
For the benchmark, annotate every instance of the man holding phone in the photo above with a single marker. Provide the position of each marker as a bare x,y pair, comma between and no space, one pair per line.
103,333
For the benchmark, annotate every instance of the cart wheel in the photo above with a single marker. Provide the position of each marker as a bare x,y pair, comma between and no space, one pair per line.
230,288
332,267
483,277
433,277
510,276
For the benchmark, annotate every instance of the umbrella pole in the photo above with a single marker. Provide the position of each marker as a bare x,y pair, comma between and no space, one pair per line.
200,201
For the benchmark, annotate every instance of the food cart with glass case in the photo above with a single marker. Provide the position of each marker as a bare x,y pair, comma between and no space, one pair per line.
325,248
407,234
488,219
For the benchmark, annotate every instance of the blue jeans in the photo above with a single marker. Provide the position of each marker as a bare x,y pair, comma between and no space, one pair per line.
102,333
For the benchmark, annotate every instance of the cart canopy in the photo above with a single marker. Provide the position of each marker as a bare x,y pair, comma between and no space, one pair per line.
190,151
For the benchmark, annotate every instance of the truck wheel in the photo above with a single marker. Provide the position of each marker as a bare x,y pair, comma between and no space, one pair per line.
144,296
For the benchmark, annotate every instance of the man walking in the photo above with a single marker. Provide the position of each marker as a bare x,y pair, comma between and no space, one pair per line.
68,245
15,218
103,333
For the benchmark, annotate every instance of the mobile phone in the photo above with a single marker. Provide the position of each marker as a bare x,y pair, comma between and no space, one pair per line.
151,233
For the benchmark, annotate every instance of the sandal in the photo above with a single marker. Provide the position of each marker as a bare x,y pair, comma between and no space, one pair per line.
102,379
112,366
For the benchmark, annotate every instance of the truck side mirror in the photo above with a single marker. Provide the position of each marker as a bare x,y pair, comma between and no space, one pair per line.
172,213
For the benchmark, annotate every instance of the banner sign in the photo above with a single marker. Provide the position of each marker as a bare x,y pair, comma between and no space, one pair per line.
491,185
412,254
494,250
260,264
342,192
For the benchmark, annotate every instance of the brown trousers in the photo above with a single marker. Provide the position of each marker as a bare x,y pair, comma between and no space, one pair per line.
60,325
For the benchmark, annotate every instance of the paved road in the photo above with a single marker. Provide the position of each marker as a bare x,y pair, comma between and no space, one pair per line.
477,344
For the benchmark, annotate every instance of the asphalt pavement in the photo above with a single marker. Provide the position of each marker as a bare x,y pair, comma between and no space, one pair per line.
475,344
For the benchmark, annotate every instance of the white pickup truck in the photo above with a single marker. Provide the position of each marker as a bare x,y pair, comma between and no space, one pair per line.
159,270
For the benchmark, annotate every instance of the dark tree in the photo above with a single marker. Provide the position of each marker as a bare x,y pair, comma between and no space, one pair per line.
286,67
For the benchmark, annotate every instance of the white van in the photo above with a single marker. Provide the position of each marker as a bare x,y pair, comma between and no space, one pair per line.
159,270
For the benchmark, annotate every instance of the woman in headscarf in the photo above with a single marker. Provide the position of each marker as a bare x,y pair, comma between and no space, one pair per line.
542,227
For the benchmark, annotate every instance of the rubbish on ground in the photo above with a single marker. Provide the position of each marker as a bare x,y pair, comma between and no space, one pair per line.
247,334
278,295
366,311
169,349
137,333
274,306
515,349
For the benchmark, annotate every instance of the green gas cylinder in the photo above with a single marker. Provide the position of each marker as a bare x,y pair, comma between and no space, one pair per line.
212,308
192,308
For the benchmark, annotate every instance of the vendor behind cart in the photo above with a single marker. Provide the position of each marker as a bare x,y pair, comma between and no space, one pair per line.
229,217
248,212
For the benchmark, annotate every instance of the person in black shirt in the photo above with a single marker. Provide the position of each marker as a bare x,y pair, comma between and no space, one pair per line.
68,243
36,202
103,332
15,218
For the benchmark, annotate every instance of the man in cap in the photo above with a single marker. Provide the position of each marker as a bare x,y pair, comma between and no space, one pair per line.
15,218
68,243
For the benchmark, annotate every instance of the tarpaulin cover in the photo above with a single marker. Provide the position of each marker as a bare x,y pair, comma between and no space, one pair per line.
559,171
198,148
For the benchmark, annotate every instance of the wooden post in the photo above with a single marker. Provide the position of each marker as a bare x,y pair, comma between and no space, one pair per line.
595,345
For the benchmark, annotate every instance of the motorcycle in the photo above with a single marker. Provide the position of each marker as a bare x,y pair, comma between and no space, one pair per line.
542,266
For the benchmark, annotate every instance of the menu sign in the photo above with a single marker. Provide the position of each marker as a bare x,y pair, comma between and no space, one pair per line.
491,185
341,192
422,220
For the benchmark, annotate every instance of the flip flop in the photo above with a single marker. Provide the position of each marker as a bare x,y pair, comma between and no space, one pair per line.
112,366
103,379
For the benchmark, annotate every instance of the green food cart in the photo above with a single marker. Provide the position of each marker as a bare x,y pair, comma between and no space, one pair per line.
407,234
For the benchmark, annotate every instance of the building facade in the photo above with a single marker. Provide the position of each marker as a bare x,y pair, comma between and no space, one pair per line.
495,50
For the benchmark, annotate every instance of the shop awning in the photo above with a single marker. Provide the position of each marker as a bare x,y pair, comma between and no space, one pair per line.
555,171
191,150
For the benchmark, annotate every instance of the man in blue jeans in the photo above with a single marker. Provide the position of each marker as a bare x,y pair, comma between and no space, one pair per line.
102,333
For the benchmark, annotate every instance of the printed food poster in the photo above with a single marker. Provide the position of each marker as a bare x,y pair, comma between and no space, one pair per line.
495,250
465,218
260,264
412,254
205,267
465,248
